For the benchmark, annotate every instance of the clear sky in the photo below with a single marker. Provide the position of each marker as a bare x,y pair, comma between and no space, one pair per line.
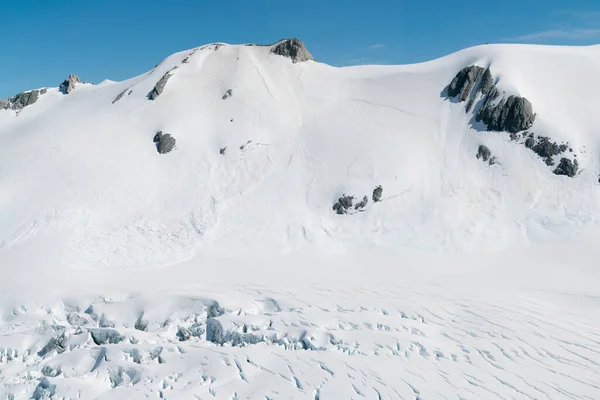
44,40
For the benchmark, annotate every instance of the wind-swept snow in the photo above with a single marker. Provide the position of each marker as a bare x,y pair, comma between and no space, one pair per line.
463,267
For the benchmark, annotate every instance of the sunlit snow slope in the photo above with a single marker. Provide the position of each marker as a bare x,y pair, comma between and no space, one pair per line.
295,137
474,277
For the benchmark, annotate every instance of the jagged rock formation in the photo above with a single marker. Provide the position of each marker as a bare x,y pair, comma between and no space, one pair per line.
294,49
120,95
22,100
463,82
69,84
160,85
377,192
567,167
165,143
512,114
343,204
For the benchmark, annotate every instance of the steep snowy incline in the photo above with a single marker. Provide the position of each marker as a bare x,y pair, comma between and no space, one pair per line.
265,146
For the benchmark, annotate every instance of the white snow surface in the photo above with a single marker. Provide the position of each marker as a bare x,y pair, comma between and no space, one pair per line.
129,274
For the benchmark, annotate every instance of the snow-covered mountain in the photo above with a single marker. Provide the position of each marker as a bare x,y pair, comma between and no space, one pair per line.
265,146
301,208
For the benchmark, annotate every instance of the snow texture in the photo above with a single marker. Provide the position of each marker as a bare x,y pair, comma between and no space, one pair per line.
221,270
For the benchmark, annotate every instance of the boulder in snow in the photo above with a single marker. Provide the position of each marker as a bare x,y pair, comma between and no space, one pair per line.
484,153
343,204
293,49
227,94
69,84
567,167
377,192
362,204
165,143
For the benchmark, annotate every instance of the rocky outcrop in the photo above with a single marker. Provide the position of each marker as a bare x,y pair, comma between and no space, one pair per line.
165,143
69,84
463,82
3,104
293,49
567,167
377,192
120,95
160,85
22,100
362,204
512,114
343,204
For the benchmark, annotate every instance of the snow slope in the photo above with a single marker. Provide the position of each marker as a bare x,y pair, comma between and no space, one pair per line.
467,281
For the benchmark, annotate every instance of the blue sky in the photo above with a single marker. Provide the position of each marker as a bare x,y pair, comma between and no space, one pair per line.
44,41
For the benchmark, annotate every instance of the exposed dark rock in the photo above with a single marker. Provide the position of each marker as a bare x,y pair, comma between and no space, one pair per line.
463,82
493,160
165,143
567,167
484,153
43,91
292,48
362,204
3,104
545,148
242,147
512,114
343,204
377,192
549,161
227,94
222,150
69,84
529,143
120,95
22,100
514,136
102,336
160,85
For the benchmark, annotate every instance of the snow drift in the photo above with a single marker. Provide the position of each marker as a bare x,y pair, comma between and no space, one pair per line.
258,143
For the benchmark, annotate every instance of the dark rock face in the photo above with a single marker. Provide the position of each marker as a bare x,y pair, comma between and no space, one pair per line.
160,85
69,84
22,100
43,91
120,96
513,114
227,94
377,192
463,82
343,204
165,143
106,336
484,153
362,204
567,167
545,148
293,49
223,150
